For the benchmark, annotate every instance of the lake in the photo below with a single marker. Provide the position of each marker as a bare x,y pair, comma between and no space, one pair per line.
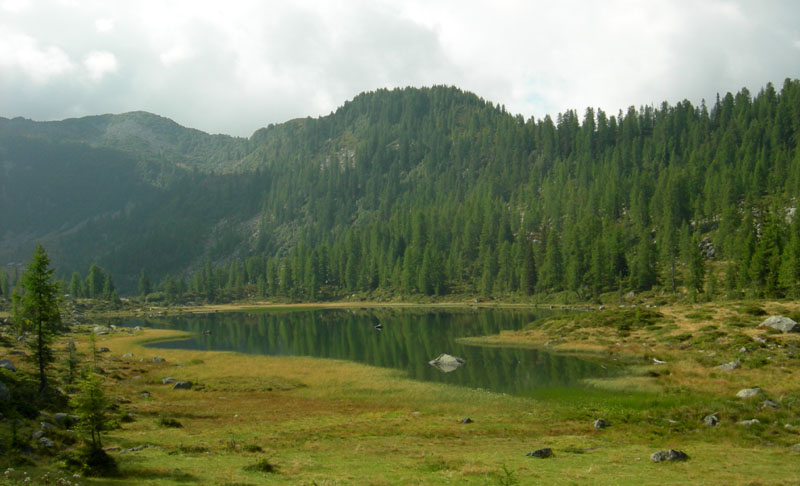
404,339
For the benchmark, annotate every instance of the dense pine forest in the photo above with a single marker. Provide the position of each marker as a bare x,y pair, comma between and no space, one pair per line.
410,192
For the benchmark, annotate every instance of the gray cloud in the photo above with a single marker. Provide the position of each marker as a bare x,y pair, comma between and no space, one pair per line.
237,66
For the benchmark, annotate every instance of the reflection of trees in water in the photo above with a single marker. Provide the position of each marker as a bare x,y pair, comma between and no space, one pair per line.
408,340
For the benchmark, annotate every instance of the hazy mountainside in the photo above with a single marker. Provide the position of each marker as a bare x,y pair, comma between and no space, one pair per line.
429,190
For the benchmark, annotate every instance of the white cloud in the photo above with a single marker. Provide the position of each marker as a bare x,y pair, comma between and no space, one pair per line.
253,63
15,6
104,25
100,63
20,52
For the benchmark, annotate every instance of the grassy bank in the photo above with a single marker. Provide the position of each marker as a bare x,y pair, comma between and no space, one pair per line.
263,420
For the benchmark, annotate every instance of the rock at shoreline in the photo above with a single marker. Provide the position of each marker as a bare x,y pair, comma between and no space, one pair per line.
780,323
669,455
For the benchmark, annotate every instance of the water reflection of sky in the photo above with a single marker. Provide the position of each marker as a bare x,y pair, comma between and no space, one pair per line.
407,340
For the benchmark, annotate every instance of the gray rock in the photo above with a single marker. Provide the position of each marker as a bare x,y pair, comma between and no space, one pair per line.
127,355
37,434
466,420
711,420
781,323
669,455
47,426
100,330
446,363
168,380
541,453
730,366
795,447
750,422
601,423
61,418
46,443
760,339
182,385
743,349
103,350
158,360
145,394
750,392
5,394
770,404
133,449
7,364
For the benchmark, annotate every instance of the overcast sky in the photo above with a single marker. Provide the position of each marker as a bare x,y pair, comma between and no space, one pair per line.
234,66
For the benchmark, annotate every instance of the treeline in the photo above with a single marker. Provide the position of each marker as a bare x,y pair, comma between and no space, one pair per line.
435,191
445,193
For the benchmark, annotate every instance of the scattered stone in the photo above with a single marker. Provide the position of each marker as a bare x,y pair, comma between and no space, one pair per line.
7,364
20,339
466,420
145,394
795,447
730,366
158,360
750,392
112,449
541,453
127,355
37,434
5,394
47,426
137,328
770,404
101,330
133,449
669,455
658,361
46,443
750,422
103,350
601,423
711,420
446,363
168,380
65,420
781,323
182,385
743,349
760,339
630,295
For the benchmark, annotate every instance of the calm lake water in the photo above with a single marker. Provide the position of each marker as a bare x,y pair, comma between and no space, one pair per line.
408,340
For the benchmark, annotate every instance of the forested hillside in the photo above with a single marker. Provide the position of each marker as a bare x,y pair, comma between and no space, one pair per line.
421,191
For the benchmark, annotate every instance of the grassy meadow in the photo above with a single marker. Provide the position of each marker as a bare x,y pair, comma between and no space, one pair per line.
252,420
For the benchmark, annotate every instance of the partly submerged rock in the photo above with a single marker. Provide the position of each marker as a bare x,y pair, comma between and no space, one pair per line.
781,323
541,453
446,363
669,455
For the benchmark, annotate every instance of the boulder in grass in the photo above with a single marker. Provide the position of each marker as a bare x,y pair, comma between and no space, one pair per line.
168,380
466,420
750,392
780,323
7,364
182,385
601,423
748,423
669,455
541,453
711,420
158,360
730,366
